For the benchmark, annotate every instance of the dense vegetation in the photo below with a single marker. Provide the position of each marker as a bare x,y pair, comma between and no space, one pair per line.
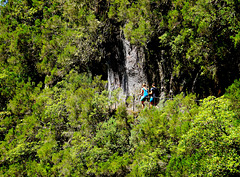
71,130
56,116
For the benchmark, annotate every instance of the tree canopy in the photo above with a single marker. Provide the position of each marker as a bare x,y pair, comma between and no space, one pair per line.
57,118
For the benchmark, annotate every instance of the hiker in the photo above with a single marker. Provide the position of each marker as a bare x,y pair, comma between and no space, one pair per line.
154,95
144,93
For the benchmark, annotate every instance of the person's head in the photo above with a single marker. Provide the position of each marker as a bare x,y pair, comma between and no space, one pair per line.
144,85
153,84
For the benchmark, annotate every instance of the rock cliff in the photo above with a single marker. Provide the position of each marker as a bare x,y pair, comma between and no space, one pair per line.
126,68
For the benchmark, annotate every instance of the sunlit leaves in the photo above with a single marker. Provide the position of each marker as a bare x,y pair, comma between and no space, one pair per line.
57,122
210,142
136,17
70,129
202,35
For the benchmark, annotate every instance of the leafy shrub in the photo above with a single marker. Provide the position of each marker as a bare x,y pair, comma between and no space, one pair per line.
211,146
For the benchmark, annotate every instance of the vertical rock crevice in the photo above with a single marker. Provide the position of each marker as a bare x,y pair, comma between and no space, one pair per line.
126,68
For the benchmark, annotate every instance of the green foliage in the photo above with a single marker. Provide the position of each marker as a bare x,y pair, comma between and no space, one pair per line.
57,121
41,39
233,93
8,81
39,125
137,14
200,40
210,147
71,130
157,134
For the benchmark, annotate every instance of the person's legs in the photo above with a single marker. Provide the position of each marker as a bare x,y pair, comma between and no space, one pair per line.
156,100
143,99
151,102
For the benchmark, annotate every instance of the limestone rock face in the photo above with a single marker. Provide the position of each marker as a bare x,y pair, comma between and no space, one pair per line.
126,69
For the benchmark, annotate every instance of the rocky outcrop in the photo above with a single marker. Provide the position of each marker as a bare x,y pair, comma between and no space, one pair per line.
126,69
129,66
